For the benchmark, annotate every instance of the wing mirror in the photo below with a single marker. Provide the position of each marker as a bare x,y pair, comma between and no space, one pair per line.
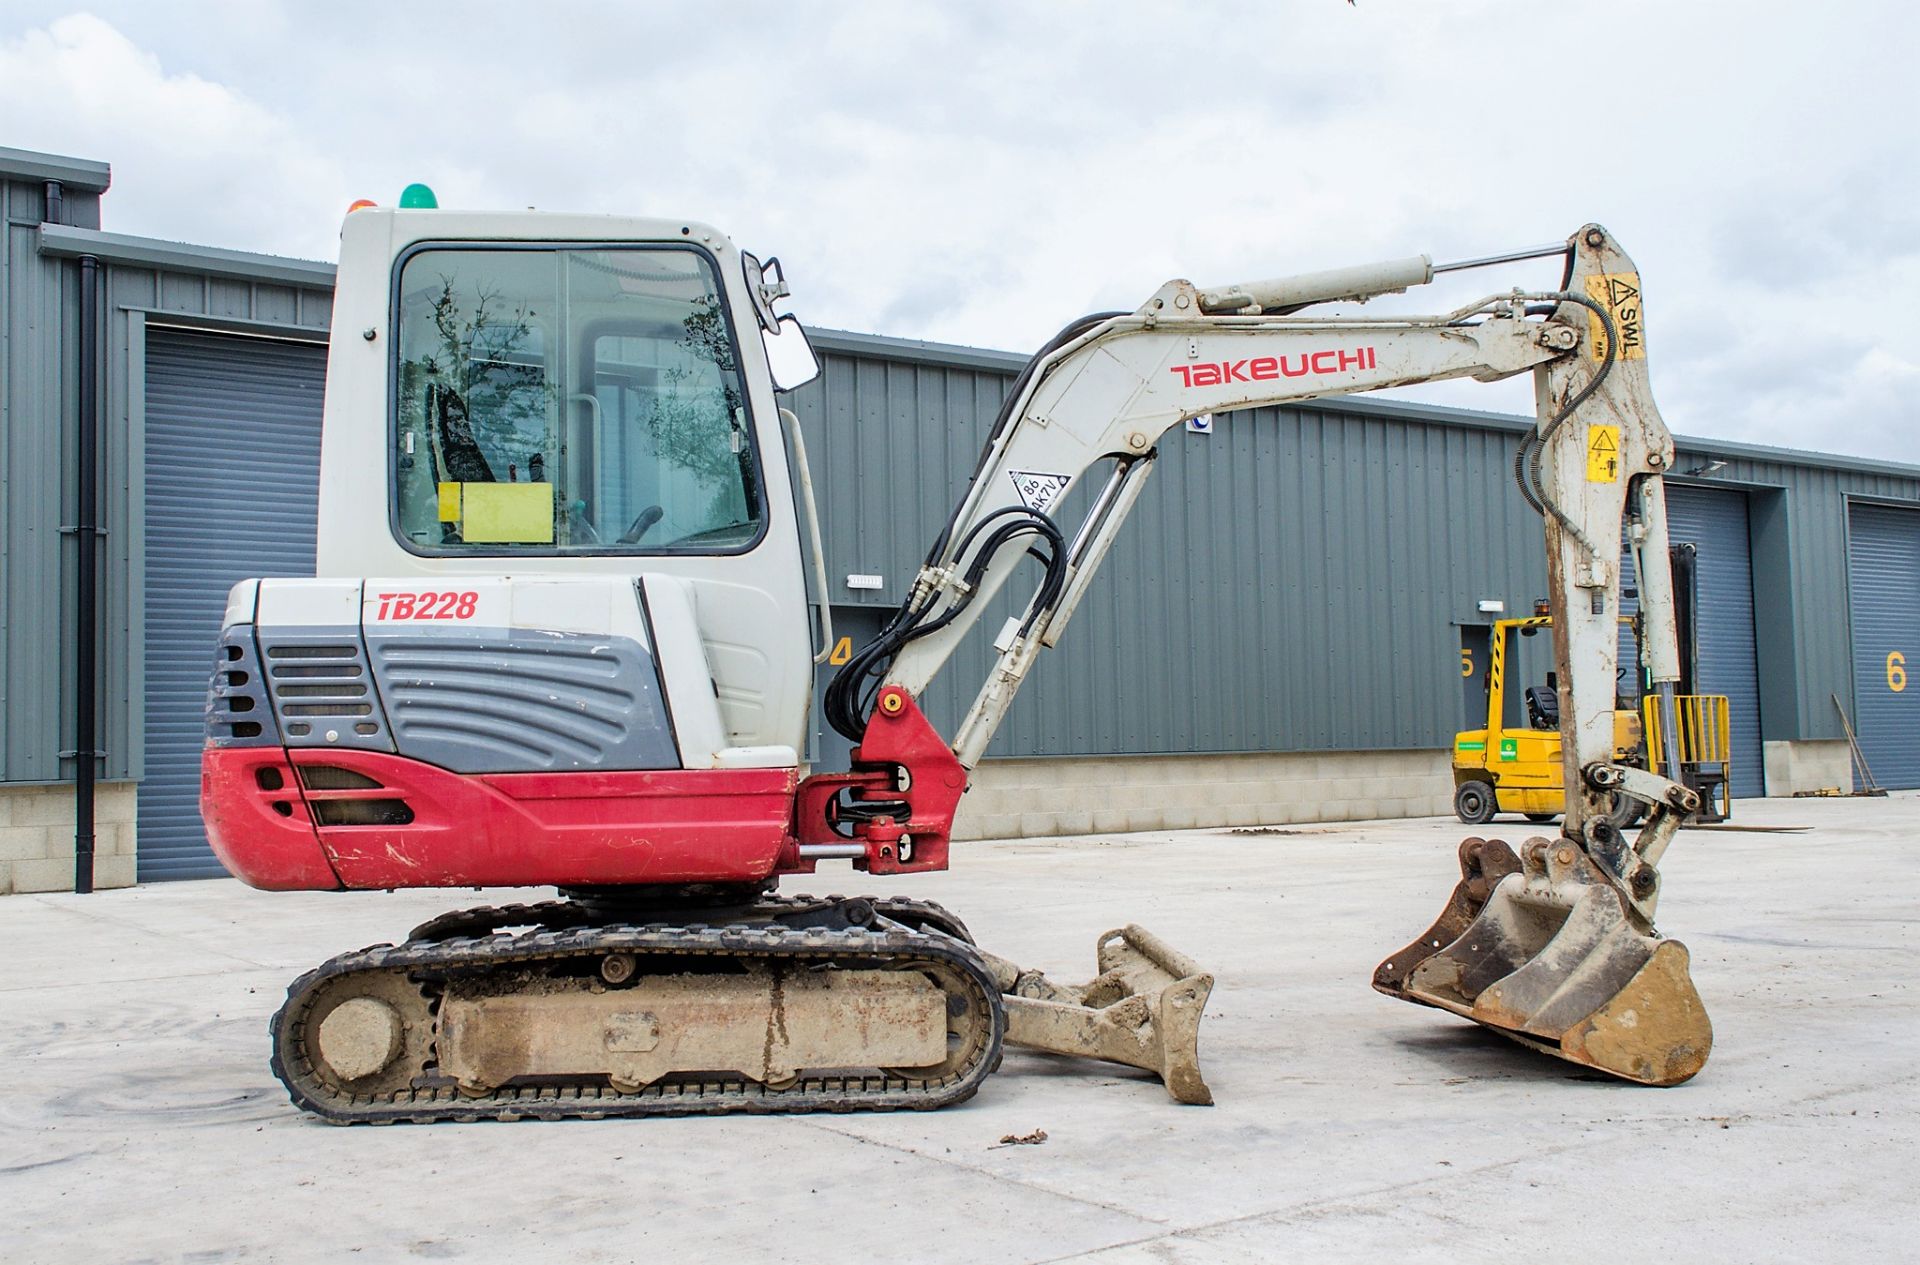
789,355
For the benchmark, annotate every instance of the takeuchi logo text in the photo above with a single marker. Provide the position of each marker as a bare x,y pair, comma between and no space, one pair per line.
1267,368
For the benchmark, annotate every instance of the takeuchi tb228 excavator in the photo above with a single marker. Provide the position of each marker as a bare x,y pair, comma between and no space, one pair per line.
561,635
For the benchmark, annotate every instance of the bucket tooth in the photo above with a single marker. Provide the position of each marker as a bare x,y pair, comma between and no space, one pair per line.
1555,959
1483,863
1142,1010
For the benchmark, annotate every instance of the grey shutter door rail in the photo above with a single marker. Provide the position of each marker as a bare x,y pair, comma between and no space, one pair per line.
1883,587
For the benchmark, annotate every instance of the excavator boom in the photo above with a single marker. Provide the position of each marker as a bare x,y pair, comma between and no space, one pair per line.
1567,931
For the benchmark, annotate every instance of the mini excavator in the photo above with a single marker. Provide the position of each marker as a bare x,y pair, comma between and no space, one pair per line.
561,635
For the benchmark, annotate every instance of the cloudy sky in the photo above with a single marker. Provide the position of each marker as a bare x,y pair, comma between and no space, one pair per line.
980,173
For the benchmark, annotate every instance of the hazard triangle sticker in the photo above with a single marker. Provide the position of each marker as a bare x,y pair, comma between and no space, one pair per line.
1037,490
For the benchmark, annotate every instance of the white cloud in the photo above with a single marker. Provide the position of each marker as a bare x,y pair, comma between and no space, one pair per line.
982,174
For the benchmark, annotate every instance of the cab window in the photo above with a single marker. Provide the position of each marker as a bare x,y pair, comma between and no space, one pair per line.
569,400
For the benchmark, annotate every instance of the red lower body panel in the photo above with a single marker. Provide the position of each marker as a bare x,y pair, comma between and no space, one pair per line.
257,820
324,818
360,819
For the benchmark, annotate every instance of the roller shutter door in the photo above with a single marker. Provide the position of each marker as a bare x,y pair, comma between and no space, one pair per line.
1715,523
232,471
1883,587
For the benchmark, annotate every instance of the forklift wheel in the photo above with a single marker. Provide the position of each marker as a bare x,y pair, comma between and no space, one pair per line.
1541,818
1474,804
1626,811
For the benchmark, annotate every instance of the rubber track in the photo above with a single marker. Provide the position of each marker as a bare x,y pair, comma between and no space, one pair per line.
675,1098
556,914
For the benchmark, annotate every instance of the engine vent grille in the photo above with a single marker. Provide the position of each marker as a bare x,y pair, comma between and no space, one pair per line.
322,689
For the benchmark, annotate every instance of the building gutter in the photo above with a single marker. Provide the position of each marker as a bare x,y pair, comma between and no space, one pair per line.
63,241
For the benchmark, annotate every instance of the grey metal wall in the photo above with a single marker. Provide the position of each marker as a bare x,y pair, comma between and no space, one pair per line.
39,339
38,330
1293,581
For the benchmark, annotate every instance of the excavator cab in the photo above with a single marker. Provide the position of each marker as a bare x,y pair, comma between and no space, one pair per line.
560,635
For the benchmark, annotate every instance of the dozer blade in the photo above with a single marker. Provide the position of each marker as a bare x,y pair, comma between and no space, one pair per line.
1143,1010
1553,959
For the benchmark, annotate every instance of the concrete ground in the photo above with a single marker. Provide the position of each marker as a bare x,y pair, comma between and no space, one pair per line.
138,1121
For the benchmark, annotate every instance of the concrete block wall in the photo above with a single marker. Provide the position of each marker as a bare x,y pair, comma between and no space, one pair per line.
36,837
1108,794
1821,765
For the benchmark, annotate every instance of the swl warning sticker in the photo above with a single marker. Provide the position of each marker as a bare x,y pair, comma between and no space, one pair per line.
1619,293
1038,491
1603,455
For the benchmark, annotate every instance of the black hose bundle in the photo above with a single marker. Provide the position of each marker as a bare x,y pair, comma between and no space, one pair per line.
851,694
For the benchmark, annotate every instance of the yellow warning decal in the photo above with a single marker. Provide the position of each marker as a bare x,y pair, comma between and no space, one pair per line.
1619,293
842,651
1603,455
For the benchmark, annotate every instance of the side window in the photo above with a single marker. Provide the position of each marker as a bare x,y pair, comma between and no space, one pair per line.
569,400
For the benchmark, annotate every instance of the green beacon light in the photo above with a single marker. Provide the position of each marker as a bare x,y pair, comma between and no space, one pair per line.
417,197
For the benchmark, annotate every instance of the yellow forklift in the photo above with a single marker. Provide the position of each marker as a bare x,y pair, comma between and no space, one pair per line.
1515,768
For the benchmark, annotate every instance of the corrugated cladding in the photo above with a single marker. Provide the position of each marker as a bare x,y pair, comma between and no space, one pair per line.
1804,648
39,340
37,330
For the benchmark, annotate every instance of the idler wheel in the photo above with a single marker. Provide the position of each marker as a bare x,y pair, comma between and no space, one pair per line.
367,1033
359,1037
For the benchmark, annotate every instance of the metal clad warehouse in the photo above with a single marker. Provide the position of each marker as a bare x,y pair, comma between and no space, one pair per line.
1277,636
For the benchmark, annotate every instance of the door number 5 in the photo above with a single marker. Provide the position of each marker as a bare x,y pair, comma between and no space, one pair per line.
1896,671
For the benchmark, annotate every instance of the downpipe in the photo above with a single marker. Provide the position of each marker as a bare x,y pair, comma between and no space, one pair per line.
86,533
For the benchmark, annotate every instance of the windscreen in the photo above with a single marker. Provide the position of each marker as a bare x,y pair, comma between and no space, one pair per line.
570,400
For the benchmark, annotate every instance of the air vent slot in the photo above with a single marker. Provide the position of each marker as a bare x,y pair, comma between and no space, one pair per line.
362,812
328,777
236,703
327,709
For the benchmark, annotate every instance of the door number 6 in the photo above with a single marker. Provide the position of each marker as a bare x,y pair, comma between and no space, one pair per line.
1896,671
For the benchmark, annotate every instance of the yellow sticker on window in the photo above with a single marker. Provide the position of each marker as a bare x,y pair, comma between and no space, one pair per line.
1603,455
449,502
506,513
1619,293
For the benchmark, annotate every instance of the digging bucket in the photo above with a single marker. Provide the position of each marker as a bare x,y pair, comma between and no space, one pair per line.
1549,954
